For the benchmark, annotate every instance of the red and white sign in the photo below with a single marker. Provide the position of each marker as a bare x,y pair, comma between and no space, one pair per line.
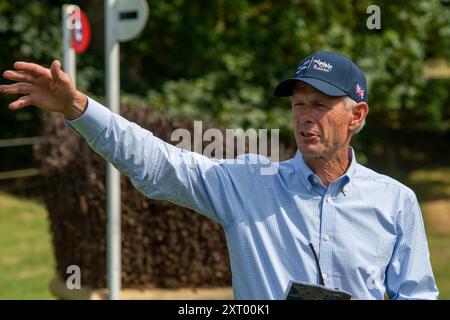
81,32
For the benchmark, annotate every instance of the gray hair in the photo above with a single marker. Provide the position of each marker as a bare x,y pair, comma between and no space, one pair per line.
349,103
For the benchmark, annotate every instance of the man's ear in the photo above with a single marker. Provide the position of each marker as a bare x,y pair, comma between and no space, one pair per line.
359,113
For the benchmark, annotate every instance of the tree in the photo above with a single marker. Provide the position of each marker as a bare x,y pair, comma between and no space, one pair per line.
221,59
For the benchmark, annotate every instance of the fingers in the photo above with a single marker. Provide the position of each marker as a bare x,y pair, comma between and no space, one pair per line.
34,69
16,88
56,71
23,101
19,76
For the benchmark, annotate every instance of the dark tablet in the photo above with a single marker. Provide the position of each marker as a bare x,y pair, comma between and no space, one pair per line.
304,291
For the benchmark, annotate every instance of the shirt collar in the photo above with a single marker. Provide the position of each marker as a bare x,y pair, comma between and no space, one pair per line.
307,177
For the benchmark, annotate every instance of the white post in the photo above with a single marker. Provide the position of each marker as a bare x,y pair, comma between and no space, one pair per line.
124,20
69,62
113,176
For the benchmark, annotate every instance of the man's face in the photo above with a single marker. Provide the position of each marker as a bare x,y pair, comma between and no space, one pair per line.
321,122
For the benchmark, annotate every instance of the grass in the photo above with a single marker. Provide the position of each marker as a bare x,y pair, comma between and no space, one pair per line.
440,258
26,256
27,262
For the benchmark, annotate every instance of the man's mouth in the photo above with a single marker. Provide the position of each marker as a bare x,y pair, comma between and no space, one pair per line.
308,134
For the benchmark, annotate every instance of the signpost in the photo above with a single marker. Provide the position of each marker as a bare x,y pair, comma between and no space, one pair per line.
76,36
81,35
125,19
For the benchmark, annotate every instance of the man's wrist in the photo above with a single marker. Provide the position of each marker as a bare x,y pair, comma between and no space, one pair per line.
78,107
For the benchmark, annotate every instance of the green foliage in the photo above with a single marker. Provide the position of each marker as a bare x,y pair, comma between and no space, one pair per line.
29,31
222,59
224,65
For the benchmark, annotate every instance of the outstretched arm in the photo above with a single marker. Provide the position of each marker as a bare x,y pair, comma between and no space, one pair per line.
156,168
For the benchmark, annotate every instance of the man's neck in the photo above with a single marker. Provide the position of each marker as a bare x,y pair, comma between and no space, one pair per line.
330,169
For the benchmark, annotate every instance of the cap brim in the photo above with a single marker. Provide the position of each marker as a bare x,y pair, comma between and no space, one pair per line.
285,88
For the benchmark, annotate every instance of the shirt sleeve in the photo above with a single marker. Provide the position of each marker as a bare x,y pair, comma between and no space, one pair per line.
157,169
409,274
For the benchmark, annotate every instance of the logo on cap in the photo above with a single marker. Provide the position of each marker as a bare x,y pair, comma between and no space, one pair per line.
321,65
301,68
359,91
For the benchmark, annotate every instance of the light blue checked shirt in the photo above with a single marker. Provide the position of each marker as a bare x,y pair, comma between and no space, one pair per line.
367,228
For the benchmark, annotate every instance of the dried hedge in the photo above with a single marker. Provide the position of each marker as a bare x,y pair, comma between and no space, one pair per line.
163,245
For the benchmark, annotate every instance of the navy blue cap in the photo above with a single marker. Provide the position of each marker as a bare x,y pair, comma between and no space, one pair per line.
330,73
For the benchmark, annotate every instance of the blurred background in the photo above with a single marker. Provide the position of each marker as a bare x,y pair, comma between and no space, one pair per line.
219,61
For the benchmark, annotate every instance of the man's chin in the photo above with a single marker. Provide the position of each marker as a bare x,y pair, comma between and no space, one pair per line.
309,152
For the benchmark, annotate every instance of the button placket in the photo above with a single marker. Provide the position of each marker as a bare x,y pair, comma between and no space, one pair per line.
326,245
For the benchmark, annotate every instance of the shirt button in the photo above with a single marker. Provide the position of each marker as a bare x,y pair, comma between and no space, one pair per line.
325,277
326,237
329,200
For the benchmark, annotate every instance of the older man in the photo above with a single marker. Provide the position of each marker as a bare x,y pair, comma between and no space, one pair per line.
366,228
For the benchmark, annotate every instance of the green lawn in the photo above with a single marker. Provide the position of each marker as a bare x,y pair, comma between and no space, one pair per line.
27,262
440,258
26,256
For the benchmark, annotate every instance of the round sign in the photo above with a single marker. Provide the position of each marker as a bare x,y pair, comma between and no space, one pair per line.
81,32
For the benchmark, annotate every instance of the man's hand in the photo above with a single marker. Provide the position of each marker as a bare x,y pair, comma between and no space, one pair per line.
48,89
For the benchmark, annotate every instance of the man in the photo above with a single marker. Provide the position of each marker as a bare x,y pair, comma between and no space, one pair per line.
367,228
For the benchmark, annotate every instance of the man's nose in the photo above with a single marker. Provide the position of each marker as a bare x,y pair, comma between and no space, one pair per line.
305,117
